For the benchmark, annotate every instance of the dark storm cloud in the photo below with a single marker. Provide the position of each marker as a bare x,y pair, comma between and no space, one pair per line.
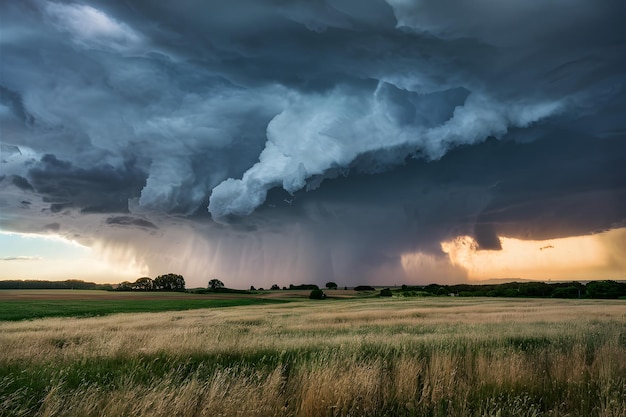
22,183
100,188
576,185
131,221
13,101
369,129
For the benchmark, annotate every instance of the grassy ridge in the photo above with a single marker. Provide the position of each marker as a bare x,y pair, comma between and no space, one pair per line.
13,310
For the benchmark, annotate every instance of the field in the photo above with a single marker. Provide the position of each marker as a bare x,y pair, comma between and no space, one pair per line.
336,357
33,304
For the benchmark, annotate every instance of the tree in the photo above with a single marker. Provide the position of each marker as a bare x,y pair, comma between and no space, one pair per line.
386,292
169,282
317,295
275,287
605,289
143,284
331,285
215,284
252,288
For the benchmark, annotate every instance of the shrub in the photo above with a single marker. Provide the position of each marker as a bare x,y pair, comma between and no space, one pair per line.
317,295
385,292
303,287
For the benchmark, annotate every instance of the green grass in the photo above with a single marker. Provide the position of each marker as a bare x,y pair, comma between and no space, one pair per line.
35,309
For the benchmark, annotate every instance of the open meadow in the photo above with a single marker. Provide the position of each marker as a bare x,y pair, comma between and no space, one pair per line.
34,304
336,357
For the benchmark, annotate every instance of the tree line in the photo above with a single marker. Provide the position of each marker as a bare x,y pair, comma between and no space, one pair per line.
606,289
70,284
593,289
167,282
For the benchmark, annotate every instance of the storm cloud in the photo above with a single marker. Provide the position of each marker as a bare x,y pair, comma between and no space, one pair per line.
309,140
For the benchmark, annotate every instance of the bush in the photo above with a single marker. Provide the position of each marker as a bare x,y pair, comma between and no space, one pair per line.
317,295
303,287
385,292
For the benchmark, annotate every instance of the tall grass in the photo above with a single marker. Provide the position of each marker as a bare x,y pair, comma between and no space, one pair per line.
445,357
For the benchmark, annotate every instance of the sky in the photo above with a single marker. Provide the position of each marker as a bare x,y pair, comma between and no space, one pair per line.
357,141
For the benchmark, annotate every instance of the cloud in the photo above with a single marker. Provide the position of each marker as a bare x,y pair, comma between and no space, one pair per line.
514,21
100,188
20,258
91,27
335,136
334,130
131,221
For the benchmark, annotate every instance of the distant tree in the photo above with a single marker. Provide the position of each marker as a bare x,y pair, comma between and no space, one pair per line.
364,288
169,282
566,292
345,288
605,289
143,284
275,287
77,284
125,286
73,284
317,295
252,288
331,285
303,287
216,284
385,292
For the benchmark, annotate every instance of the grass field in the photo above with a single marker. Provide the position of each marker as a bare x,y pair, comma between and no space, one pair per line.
350,357
34,304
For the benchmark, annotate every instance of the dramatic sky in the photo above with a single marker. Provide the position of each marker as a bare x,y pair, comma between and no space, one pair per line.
292,141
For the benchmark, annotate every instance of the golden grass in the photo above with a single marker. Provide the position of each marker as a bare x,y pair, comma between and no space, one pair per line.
374,357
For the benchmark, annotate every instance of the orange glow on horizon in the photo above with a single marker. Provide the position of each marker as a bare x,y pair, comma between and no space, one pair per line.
587,257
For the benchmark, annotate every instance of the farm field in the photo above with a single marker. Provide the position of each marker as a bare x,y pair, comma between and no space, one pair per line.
32,304
335,357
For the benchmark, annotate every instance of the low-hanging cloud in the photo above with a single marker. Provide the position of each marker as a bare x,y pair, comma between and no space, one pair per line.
20,258
383,127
